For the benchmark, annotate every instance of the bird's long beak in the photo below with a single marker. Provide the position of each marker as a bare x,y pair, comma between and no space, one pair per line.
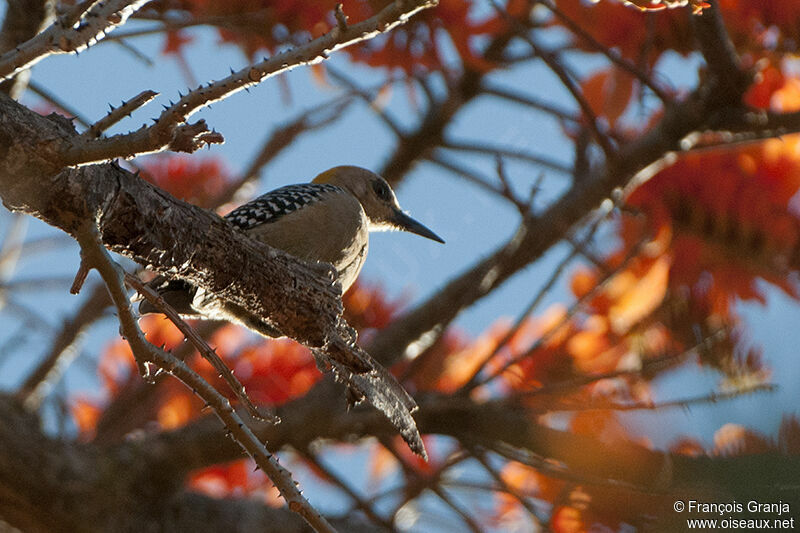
406,223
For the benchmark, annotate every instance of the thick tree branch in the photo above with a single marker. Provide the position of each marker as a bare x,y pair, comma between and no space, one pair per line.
142,222
419,144
162,459
492,425
728,79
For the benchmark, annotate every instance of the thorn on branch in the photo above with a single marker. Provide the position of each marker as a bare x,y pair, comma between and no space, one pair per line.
210,355
80,277
341,18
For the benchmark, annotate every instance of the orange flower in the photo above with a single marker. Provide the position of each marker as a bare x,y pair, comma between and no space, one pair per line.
568,519
276,371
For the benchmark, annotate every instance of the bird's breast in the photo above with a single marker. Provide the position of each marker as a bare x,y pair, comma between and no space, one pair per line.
332,230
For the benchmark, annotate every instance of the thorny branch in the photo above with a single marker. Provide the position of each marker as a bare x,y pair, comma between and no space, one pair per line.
162,134
116,114
202,347
80,27
146,354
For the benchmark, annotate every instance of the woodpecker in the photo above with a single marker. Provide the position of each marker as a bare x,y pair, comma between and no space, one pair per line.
327,220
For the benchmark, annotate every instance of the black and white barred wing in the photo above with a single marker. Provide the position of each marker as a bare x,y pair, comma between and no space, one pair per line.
275,204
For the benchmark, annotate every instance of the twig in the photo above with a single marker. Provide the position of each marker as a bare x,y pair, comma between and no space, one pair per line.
431,481
527,100
12,247
135,52
365,507
508,192
38,284
369,99
447,164
531,307
341,18
613,55
63,350
67,35
58,102
71,17
591,119
561,470
684,403
648,366
510,153
580,248
468,520
565,319
505,487
202,347
28,314
161,26
80,278
118,113
558,69
147,354
161,135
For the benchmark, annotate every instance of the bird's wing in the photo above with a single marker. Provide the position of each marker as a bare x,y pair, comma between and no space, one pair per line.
275,204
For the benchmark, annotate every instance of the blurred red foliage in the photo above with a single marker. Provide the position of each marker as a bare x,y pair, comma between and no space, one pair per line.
259,26
198,181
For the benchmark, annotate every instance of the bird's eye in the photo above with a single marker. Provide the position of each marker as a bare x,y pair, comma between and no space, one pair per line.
382,191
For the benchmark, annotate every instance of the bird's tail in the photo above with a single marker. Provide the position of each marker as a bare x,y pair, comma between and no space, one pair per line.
177,293
180,295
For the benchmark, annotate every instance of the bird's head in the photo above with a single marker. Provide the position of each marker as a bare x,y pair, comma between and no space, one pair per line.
377,198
